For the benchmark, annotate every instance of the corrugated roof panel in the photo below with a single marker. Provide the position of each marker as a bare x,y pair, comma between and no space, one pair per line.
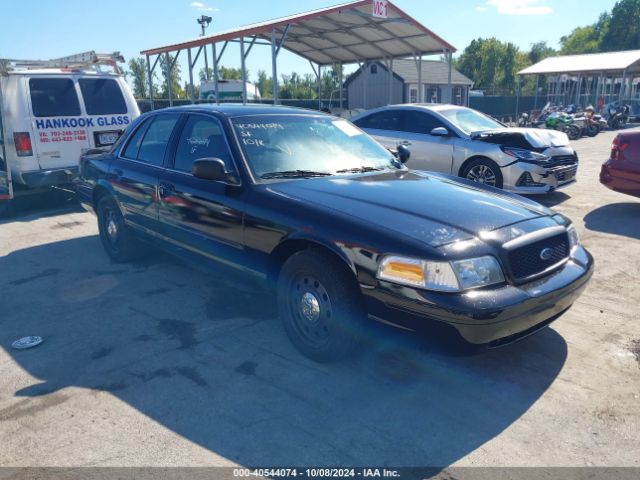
349,26
594,62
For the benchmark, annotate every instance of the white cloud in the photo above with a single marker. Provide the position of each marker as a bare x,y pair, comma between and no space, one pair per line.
519,7
481,8
202,7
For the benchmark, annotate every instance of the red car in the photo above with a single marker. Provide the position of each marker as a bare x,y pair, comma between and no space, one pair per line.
621,172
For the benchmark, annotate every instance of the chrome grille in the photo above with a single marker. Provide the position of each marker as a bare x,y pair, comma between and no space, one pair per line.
526,261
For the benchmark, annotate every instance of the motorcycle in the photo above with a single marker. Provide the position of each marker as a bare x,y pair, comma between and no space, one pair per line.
618,116
566,123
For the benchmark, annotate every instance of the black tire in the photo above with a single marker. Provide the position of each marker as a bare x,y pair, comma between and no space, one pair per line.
573,132
320,306
116,237
593,130
485,171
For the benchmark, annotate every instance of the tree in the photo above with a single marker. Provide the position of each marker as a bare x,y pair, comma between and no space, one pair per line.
492,64
137,76
539,51
586,39
265,84
176,89
231,73
623,27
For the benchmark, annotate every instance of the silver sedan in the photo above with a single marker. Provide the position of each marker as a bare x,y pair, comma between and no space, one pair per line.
464,142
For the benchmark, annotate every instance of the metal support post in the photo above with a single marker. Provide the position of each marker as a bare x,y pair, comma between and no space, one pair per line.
244,72
215,71
191,90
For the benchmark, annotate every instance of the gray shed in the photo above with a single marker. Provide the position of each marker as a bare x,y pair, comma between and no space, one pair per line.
371,88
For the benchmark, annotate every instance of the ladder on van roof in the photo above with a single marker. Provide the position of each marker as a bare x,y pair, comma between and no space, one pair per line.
85,60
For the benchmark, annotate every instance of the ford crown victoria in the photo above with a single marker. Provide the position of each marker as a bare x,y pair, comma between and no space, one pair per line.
337,224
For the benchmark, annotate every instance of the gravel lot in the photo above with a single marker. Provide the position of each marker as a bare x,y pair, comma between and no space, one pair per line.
159,363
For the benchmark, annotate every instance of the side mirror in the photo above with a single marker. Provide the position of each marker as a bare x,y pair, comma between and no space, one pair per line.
209,169
440,132
403,153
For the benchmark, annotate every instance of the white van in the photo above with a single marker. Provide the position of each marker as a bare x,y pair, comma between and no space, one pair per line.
53,111
229,90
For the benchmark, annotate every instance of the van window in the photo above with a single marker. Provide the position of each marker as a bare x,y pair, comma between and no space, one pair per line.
102,96
53,97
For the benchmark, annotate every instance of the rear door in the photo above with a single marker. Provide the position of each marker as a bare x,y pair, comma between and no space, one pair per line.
135,172
58,123
107,112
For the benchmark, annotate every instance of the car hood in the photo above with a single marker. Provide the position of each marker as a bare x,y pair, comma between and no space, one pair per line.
535,137
435,209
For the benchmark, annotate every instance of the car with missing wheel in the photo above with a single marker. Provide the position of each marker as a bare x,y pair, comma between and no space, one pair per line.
335,224
464,142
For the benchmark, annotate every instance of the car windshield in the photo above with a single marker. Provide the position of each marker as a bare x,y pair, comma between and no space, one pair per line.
469,120
308,145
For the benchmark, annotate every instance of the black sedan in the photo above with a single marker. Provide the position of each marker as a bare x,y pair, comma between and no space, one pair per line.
336,223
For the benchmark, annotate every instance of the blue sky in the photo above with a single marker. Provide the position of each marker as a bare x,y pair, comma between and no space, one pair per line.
52,28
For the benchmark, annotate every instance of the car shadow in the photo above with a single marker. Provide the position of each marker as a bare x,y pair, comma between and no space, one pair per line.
615,218
46,204
551,199
204,356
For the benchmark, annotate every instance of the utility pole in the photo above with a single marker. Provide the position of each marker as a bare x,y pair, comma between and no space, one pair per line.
204,22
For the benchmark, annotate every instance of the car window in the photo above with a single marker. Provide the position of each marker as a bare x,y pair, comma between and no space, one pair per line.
420,122
386,120
102,96
131,151
201,137
156,138
53,97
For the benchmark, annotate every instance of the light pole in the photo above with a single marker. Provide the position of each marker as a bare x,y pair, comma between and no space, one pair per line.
204,22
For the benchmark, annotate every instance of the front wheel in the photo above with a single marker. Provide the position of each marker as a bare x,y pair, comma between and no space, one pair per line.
593,130
116,237
573,132
320,305
483,171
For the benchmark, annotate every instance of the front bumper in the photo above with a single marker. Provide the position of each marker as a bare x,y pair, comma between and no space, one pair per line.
486,316
537,179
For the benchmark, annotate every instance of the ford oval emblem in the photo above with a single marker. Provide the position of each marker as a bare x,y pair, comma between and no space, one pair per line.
546,254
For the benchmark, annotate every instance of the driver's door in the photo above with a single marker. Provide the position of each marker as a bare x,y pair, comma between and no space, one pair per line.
197,214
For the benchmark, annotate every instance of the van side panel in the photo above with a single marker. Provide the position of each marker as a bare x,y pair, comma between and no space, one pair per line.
16,118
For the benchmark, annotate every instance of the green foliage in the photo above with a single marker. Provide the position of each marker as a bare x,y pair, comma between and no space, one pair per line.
137,76
623,27
492,64
580,40
264,84
176,90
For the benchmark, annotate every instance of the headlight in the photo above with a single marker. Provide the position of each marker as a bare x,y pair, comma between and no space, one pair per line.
478,272
441,276
525,155
574,240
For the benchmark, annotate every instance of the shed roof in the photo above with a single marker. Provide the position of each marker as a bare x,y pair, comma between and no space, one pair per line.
346,33
433,73
592,62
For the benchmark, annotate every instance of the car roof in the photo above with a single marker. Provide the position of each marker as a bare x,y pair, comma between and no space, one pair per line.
238,110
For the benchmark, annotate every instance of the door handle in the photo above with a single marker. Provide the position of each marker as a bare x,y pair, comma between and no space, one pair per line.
166,189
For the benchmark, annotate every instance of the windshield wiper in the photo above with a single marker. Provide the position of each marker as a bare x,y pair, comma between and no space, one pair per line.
295,174
360,170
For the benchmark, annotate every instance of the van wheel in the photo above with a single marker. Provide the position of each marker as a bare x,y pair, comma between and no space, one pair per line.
320,306
116,237
483,171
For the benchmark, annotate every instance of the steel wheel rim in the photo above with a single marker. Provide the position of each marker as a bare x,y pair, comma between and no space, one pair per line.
310,309
482,174
111,228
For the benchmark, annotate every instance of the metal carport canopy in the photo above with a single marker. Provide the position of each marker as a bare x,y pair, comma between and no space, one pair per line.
346,33
594,62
